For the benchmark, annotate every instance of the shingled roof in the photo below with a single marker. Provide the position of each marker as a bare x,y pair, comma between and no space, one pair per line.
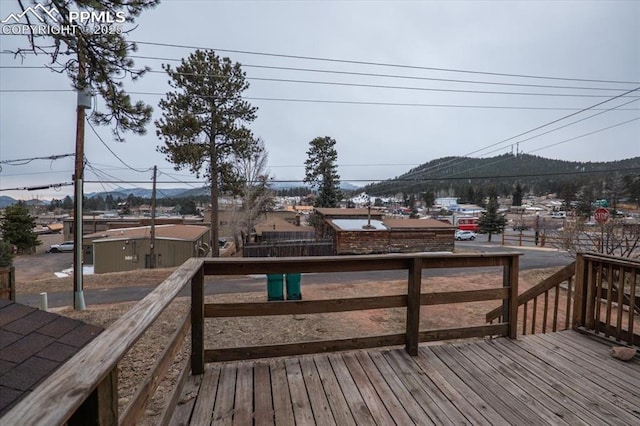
33,344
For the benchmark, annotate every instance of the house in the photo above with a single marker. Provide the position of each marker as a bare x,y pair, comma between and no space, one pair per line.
34,344
277,228
128,249
356,231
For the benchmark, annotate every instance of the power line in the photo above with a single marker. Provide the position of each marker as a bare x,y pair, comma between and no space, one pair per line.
442,178
113,153
23,161
560,142
340,102
527,132
425,179
38,187
407,177
564,126
352,73
385,86
383,64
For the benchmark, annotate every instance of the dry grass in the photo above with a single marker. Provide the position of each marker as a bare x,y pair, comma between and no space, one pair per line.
47,282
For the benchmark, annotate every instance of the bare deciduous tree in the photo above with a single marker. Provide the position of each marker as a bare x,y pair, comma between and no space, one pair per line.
256,195
615,238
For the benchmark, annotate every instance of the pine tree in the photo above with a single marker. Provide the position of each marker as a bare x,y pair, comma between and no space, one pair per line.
204,121
105,55
491,222
321,171
17,228
517,195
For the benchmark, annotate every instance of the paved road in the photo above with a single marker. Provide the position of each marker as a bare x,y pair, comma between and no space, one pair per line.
532,258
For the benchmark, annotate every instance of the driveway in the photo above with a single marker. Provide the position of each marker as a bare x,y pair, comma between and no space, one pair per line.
37,265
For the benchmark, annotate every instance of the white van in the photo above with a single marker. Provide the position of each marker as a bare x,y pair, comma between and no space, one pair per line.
559,215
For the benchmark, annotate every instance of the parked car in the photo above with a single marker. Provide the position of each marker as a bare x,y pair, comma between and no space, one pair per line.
58,248
465,235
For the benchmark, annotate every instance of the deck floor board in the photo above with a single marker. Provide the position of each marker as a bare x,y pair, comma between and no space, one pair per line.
559,378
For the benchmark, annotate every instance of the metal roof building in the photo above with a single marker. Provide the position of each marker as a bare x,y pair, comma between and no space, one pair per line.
128,249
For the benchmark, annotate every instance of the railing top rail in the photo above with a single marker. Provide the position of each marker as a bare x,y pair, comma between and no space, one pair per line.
255,265
621,261
57,398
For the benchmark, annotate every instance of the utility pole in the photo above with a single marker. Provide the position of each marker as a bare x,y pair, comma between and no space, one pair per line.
84,101
152,245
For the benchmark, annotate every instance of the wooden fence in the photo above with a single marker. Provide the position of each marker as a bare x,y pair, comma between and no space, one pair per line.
289,249
412,263
8,283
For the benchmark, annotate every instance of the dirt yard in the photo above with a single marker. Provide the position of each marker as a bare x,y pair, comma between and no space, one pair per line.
235,332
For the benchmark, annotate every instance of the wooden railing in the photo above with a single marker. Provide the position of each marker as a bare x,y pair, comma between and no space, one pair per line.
603,299
538,298
412,301
84,390
608,297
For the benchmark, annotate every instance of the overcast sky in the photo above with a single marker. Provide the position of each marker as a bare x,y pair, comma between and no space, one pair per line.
375,140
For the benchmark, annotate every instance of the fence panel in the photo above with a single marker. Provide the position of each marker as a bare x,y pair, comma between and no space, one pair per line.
289,249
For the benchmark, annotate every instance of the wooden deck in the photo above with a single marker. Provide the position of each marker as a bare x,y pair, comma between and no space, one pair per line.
557,378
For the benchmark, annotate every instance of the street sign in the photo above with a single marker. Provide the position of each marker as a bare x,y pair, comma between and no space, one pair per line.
601,215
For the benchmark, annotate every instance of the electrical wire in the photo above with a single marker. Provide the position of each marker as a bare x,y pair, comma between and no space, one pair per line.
23,161
352,73
113,153
384,86
381,64
461,159
457,176
340,102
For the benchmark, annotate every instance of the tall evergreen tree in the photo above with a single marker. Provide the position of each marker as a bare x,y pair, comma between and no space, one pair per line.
321,171
106,55
204,122
517,195
491,221
17,228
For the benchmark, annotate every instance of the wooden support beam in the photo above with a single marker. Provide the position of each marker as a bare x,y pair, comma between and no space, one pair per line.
413,306
512,283
197,322
101,407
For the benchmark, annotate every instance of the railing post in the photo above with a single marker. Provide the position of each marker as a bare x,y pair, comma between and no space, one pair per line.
12,283
197,322
579,293
510,305
413,306
101,407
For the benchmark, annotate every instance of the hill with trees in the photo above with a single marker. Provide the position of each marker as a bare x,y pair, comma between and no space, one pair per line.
470,178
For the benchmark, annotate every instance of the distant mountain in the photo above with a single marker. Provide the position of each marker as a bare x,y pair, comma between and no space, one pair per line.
140,192
543,175
6,201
